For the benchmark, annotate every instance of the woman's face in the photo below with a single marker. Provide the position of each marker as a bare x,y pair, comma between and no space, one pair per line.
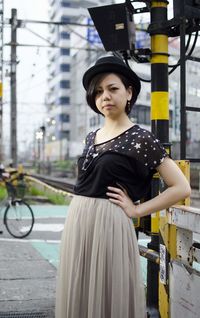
112,96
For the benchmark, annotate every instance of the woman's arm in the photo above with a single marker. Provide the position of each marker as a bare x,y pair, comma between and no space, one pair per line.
178,189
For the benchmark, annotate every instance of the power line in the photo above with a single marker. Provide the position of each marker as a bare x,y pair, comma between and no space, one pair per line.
56,47
28,103
188,56
80,36
24,81
32,87
39,36
59,23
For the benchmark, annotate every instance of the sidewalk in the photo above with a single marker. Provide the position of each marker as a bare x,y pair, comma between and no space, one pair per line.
27,282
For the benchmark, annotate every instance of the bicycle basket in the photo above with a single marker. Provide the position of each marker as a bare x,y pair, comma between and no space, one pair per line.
16,191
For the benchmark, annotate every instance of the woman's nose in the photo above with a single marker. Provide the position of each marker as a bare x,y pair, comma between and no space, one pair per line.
106,95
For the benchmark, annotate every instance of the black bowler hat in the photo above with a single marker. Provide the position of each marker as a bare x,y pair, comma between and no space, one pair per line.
112,64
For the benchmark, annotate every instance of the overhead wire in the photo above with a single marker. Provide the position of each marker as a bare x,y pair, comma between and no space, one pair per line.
32,87
28,78
186,48
125,56
80,36
39,36
190,52
142,79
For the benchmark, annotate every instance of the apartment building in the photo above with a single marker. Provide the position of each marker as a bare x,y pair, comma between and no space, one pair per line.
58,97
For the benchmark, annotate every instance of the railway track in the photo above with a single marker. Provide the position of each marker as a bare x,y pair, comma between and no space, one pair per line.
60,184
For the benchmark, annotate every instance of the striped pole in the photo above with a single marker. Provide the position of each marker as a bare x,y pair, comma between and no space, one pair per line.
160,128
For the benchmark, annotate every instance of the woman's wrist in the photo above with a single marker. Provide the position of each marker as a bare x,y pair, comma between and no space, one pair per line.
135,212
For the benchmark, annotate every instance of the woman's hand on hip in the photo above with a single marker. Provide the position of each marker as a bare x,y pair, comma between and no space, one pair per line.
121,198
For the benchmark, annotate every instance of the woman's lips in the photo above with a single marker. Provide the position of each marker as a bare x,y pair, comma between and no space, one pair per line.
108,106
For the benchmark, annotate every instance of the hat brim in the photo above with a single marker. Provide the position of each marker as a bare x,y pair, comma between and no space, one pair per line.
109,68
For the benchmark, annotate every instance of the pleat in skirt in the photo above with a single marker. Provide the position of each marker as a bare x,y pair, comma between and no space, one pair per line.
99,270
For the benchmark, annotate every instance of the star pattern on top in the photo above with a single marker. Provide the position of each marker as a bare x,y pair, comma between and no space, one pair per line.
137,145
135,142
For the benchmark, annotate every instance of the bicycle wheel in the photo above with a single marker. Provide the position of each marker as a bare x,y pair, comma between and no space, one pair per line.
18,218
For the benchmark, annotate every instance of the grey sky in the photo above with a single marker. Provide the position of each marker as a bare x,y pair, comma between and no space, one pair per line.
31,70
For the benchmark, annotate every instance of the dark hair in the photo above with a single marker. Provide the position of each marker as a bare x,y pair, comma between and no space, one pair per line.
91,91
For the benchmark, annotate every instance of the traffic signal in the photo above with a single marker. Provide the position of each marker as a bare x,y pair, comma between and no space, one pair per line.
115,26
191,8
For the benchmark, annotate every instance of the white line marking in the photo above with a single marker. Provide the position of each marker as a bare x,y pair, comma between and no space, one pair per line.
50,217
40,227
29,240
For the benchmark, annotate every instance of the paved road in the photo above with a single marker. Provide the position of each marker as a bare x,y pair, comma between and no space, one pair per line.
28,267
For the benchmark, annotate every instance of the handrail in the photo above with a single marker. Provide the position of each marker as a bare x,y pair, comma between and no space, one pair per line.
185,217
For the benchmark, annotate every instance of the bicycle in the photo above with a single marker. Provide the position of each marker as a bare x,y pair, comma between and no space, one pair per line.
18,216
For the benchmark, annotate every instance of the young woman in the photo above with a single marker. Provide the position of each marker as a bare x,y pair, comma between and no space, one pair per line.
99,273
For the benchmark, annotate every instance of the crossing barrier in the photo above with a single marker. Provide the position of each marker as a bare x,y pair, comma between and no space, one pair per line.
184,269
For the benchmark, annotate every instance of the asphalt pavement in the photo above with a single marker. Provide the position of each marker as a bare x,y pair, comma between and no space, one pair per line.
27,282
28,267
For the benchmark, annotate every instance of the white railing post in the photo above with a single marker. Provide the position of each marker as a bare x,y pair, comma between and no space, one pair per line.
184,279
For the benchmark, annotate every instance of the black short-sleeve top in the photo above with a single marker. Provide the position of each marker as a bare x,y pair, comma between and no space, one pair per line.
127,161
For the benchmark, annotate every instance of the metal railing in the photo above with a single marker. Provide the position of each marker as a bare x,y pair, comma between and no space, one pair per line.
184,270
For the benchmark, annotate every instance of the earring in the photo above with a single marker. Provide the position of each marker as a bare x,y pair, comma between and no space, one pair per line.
128,106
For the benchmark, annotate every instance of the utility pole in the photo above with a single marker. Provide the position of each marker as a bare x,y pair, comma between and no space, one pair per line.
1,78
160,128
13,87
183,120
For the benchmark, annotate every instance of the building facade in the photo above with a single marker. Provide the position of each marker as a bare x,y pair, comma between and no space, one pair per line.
59,134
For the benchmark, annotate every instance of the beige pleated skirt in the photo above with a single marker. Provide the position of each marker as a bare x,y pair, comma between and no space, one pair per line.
99,271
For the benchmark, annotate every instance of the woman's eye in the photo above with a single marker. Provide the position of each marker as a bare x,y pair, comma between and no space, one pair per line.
98,92
114,88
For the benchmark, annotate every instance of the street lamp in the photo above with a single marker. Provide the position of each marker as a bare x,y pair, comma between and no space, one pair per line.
43,130
39,136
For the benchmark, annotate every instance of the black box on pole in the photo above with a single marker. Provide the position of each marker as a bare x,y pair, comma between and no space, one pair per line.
115,26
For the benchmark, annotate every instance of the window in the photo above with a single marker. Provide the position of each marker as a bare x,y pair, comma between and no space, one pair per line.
64,67
64,51
65,118
65,134
142,114
170,118
64,100
64,35
64,84
65,4
65,19
95,120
